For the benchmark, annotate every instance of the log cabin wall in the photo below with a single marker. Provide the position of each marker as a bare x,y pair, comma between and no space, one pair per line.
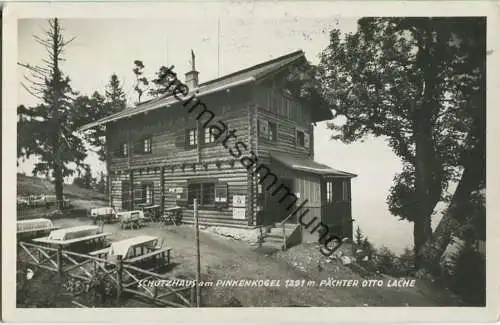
167,128
116,188
177,163
277,109
230,173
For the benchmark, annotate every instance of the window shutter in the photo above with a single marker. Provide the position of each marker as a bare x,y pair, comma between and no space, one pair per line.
138,146
264,128
119,150
221,194
138,194
306,140
180,139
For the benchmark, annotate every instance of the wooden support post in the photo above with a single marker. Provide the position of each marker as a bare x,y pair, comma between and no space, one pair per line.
198,262
59,260
119,280
162,192
193,295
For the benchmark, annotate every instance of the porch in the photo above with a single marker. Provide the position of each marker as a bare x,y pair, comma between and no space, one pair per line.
298,192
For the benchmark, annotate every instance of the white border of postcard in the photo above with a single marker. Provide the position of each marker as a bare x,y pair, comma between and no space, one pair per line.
14,11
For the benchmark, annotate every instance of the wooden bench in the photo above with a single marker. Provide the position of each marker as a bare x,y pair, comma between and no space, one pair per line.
163,252
172,215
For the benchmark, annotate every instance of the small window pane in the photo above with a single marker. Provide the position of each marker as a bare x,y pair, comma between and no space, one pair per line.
147,145
193,137
208,193
300,138
272,131
209,135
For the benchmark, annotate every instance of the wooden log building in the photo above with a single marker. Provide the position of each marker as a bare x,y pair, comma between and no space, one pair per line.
164,152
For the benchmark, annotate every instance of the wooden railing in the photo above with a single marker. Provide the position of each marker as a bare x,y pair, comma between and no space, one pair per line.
282,224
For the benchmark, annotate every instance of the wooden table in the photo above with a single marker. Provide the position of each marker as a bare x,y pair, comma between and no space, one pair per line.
151,212
172,215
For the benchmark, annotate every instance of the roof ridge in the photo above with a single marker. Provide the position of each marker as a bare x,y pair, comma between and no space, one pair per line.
256,66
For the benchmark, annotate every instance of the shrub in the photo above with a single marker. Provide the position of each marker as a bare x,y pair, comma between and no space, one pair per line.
468,278
385,261
389,263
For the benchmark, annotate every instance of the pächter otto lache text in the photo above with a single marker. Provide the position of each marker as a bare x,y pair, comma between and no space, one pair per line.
289,283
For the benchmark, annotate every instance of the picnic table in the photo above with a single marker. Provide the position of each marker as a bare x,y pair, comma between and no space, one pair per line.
139,250
104,214
80,238
172,215
151,211
35,226
130,219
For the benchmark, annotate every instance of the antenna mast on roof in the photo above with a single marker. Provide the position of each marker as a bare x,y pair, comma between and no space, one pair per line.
193,63
166,52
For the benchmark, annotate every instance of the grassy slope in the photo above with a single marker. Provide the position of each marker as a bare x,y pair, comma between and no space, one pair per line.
29,185
80,198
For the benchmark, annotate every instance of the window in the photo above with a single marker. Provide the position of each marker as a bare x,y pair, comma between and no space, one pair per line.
272,131
147,193
147,145
143,145
345,190
300,138
203,192
192,136
329,191
122,150
209,135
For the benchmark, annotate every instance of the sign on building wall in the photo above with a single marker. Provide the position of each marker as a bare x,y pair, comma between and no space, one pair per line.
239,213
239,201
239,207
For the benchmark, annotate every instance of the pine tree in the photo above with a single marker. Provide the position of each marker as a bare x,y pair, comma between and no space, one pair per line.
115,96
46,129
359,237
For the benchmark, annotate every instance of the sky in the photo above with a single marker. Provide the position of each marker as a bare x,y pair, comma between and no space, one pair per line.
106,46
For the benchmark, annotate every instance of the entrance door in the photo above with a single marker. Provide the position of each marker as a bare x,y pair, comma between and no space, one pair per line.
126,197
274,211
336,205
328,203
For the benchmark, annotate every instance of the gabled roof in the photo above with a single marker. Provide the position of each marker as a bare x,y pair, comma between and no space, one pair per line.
308,165
245,76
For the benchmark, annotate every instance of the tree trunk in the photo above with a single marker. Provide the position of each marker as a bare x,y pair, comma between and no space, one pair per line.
427,168
58,183
455,215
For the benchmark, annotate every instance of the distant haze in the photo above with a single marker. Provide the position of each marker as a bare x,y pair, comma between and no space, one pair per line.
103,47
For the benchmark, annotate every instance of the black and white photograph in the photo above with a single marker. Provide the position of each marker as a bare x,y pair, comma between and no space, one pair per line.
233,156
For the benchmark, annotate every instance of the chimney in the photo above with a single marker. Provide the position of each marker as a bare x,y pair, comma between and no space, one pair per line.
192,76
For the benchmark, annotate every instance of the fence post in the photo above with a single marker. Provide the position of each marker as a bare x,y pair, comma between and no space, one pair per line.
59,260
198,266
119,273
101,225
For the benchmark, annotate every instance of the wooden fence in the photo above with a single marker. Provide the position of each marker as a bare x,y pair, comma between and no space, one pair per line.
90,272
